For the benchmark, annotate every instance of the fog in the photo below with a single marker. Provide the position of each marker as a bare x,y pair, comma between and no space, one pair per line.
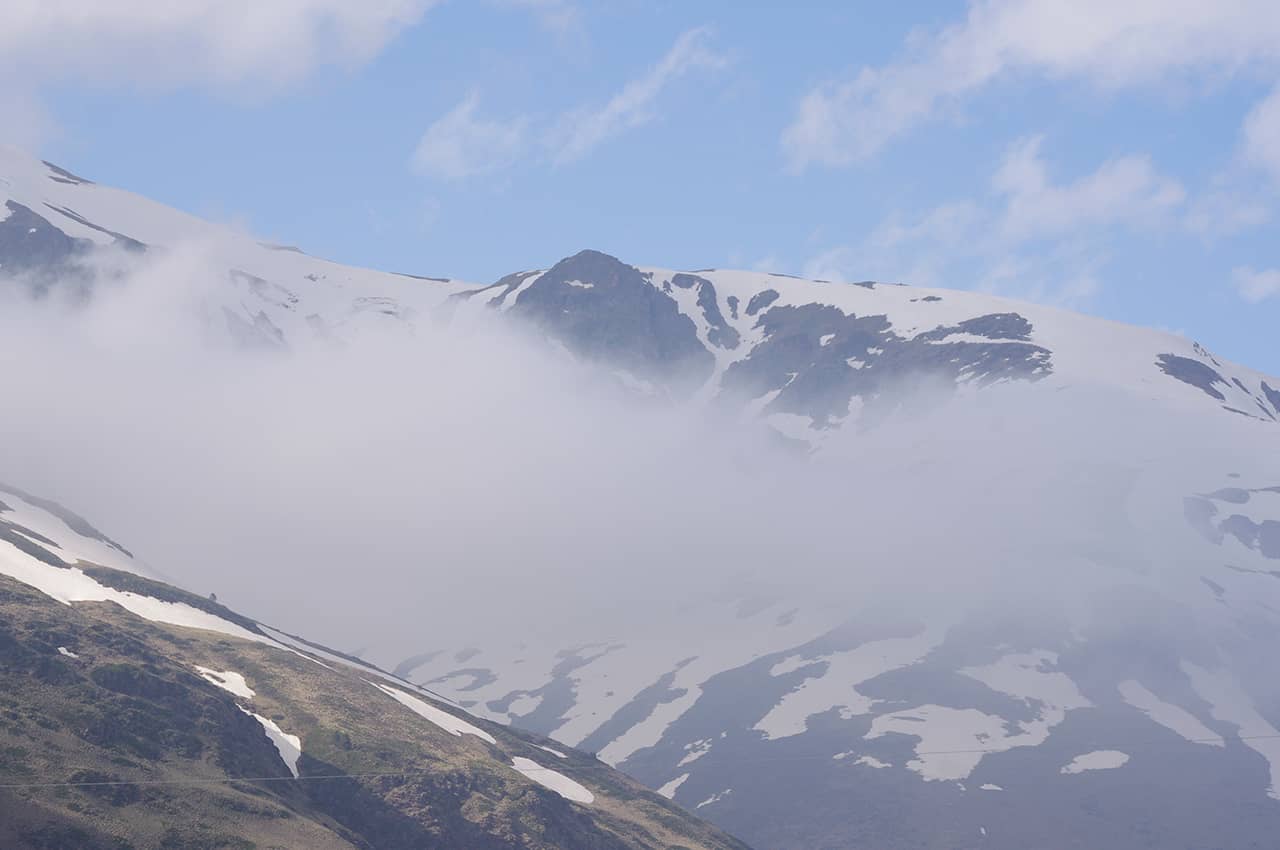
432,488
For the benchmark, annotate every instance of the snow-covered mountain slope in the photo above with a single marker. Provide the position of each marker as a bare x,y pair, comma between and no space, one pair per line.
1130,711
804,355
139,715
807,355
58,227
796,723
1096,668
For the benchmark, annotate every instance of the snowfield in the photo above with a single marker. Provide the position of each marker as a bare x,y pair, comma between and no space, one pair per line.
447,722
228,680
1097,760
288,746
558,782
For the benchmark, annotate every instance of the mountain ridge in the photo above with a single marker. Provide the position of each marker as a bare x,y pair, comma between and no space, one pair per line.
140,715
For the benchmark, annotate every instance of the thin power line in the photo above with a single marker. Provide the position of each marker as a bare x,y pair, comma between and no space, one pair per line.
579,769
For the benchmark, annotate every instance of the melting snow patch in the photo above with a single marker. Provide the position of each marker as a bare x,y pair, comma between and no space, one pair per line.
1230,704
834,682
715,798
1169,716
990,787
71,584
952,741
288,746
872,761
695,751
580,284
558,782
68,544
62,650
443,719
523,705
1097,760
1024,676
790,664
669,790
227,680
555,753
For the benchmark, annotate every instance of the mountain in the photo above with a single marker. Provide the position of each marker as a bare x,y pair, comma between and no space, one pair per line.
139,715
804,355
58,228
1093,673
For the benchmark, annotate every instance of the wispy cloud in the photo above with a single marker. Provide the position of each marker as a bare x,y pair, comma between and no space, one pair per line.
1030,236
1262,134
582,130
1255,285
561,17
462,144
1108,44
218,42
1127,190
243,47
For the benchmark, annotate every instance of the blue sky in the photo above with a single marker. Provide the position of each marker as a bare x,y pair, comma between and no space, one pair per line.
1121,159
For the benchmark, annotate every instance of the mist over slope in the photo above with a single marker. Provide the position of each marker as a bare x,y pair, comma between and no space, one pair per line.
137,714
893,544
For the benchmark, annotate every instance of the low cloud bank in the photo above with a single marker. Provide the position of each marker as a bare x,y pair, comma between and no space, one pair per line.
430,488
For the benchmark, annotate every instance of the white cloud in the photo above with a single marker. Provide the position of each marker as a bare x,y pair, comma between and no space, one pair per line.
26,122
171,43
1030,237
1262,134
1127,190
559,16
582,130
1255,286
1103,42
1229,207
460,144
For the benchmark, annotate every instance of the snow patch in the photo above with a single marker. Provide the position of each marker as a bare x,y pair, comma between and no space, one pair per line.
695,751
990,787
71,545
790,664
443,719
1022,675
525,704
558,782
1096,760
71,584
228,680
555,753
1171,717
1229,703
288,746
669,790
951,741
62,650
834,687
715,798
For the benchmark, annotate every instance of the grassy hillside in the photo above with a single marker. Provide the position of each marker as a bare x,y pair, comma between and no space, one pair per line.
126,745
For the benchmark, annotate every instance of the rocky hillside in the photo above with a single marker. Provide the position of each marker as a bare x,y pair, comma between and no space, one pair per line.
136,715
